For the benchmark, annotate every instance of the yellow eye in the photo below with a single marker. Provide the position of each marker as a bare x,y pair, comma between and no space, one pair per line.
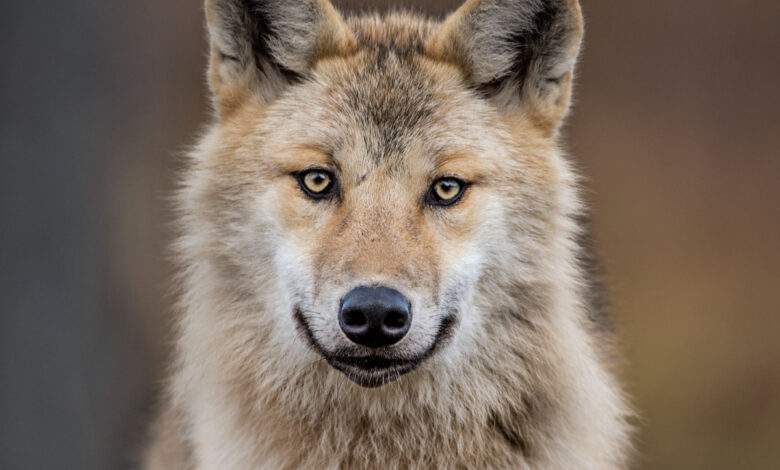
316,184
446,191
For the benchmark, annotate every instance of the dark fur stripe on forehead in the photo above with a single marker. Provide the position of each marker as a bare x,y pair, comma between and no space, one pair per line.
390,95
404,33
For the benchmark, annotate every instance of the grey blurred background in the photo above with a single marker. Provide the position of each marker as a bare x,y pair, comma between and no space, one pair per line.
677,126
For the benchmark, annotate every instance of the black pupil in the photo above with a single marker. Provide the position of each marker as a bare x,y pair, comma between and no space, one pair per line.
448,186
318,179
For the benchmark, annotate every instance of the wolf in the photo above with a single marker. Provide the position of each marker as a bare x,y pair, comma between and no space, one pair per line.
383,250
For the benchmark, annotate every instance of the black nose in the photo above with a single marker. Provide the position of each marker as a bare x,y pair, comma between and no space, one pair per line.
375,316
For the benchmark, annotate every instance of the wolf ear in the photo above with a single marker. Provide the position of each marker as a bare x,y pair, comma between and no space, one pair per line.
261,46
520,53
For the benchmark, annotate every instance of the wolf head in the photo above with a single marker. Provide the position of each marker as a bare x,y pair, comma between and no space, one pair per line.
381,193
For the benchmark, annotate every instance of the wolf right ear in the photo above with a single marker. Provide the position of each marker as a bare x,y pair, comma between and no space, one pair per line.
519,53
258,47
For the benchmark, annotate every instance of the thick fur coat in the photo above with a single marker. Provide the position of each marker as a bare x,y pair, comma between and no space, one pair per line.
508,359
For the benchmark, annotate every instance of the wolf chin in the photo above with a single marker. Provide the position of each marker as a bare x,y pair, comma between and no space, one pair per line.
383,256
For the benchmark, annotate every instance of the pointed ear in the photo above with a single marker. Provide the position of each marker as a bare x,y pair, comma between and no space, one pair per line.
259,47
520,53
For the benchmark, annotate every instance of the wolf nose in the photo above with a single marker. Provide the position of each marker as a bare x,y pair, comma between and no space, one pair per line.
375,316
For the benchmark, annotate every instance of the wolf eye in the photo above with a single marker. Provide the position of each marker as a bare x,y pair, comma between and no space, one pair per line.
446,192
317,184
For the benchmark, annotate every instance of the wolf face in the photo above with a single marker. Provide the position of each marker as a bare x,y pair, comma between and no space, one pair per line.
380,248
365,177
378,181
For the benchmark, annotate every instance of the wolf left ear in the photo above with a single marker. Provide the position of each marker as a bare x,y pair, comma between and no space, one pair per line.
258,47
520,53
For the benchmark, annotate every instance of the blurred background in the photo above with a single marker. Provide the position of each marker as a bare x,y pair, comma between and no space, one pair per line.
676,124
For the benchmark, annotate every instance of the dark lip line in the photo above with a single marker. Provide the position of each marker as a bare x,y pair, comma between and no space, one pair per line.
303,326
374,379
373,362
375,365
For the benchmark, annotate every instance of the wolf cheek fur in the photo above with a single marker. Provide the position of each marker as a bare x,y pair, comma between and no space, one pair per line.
501,365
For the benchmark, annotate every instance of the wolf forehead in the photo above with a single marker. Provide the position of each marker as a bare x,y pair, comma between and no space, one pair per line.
388,89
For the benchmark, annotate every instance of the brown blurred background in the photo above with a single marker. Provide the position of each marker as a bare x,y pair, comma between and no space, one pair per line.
677,125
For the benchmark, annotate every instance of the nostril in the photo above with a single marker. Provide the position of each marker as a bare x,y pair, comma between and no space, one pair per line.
375,316
395,320
355,318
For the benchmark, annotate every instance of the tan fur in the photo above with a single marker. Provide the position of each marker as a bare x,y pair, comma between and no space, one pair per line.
387,104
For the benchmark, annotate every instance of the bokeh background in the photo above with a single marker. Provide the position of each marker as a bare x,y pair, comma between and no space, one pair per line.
677,125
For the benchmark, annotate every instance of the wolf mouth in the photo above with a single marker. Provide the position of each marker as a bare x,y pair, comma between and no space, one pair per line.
372,371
